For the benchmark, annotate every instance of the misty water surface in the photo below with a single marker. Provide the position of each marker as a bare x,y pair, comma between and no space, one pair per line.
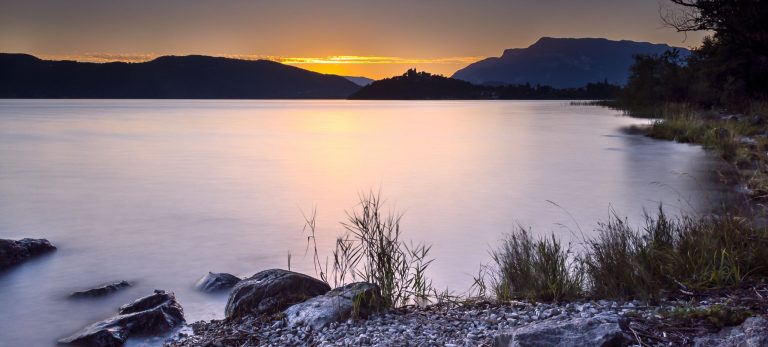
160,192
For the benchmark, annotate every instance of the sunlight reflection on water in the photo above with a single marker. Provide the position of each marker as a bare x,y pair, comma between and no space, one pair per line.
160,192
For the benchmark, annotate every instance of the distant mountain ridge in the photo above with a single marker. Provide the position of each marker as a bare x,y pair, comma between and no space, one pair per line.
168,77
360,81
562,62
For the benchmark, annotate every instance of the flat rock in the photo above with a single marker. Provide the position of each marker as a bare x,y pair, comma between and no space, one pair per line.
101,290
352,300
215,282
154,314
752,333
601,330
13,252
272,291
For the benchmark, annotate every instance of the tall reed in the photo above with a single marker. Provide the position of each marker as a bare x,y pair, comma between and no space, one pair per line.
371,250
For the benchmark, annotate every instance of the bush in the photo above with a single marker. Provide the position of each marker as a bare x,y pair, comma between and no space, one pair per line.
674,253
665,255
539,270
372,251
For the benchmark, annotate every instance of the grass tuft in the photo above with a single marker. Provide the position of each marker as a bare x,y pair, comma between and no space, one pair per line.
666,255
372,251
541,270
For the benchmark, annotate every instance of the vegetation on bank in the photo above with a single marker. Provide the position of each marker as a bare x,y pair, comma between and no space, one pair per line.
729,70
717,96
666,256
415,85
371,250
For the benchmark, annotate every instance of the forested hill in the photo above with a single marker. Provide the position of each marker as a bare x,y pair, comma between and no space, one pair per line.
169,77
415,85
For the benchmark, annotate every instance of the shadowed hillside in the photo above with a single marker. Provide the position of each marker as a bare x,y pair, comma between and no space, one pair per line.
561,63
170,77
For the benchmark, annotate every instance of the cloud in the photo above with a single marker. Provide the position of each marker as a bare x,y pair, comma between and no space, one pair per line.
337,59
103,57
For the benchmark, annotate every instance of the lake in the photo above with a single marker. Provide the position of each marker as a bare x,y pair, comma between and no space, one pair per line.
161,192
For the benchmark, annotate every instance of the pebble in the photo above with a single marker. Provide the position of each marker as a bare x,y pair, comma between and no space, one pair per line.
439,325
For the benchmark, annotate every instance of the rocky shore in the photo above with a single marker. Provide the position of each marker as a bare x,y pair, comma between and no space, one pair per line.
13,252
720,318
283,308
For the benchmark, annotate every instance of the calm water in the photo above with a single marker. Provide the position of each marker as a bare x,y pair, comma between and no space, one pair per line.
160,192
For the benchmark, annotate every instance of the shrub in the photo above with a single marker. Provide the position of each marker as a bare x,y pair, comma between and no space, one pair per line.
674,253
372,251
666,254
534,269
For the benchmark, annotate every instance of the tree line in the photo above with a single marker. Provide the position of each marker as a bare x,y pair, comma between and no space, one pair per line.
728,70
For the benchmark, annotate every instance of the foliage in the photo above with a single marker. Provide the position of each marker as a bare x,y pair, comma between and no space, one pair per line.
666,255
739,23
534,269
414,85
729,69
673,253
372,251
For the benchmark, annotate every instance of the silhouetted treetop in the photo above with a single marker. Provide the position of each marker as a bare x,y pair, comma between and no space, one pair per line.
415,85
743,23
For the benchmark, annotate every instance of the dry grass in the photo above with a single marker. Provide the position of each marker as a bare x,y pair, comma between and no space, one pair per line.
541,270
372,250
621,262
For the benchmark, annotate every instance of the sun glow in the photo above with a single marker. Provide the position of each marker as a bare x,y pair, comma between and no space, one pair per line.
348,65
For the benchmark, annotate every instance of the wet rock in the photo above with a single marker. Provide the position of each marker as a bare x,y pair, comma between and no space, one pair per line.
154,314
722,133
748,141
272,291
214,282
102,290
352,300
14,252
601,330
752,333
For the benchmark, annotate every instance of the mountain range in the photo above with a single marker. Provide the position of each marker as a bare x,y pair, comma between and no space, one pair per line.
360,81
168,77
562,63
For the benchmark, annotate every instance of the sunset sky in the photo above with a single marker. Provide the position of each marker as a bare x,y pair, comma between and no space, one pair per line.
349,37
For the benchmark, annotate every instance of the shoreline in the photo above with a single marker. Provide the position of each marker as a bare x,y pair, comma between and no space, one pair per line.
706,319
684,317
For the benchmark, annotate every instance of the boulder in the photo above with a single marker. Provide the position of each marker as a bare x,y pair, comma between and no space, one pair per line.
101,290
154,314
214,282
272,291
601,330
352,300
752,333
14,252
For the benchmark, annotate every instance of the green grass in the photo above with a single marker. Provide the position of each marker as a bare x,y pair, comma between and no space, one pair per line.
743,143
673,253
372,250
621,262
718,315
536,269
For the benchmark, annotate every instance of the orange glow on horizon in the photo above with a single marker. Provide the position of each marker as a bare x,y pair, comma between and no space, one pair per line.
375,67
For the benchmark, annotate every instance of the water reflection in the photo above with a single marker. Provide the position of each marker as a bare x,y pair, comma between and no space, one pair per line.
160,192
